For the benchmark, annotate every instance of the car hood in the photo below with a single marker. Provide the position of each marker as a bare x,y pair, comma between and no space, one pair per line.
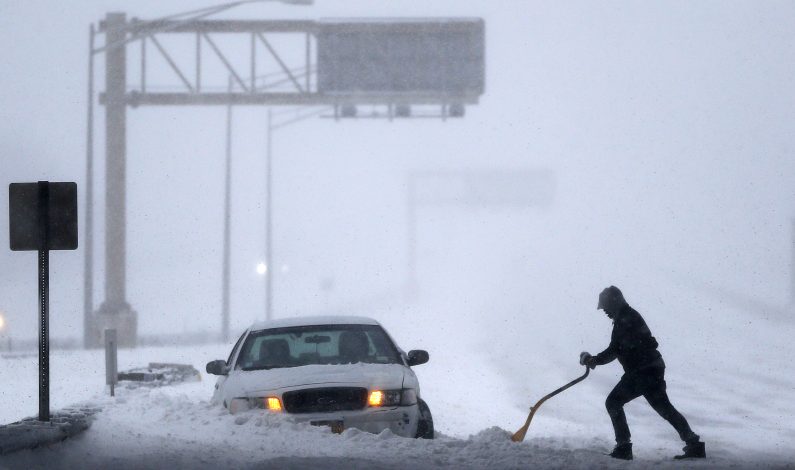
371,376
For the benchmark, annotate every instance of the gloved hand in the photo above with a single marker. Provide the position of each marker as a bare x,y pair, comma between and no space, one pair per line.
587,360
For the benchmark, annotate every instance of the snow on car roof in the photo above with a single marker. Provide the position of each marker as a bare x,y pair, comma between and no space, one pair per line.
315,320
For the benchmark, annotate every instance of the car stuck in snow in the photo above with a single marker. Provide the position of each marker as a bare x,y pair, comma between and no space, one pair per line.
339,371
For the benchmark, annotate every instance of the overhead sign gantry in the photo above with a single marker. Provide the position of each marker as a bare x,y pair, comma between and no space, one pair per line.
394,64
389,62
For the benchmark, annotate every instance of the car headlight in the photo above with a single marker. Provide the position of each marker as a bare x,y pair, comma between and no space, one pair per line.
404,397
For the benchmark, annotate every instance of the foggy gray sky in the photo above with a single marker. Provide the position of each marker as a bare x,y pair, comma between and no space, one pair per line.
668,125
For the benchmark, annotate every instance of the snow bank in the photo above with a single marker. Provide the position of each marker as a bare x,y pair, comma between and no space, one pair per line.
31,433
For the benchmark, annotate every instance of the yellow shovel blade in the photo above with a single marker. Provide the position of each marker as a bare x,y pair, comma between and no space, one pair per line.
519,435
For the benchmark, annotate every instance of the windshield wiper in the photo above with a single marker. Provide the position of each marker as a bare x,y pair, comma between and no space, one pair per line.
264,367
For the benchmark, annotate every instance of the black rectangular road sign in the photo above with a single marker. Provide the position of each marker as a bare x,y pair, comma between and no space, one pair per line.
61,215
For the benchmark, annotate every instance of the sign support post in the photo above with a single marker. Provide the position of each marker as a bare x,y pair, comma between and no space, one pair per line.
111,360
44,302
43,217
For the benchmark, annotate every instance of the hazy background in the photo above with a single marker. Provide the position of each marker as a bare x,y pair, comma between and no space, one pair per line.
668,126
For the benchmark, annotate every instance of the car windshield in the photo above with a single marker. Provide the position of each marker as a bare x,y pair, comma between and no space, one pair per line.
324,344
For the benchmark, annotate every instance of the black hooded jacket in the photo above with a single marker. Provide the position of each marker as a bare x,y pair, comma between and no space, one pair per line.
631,343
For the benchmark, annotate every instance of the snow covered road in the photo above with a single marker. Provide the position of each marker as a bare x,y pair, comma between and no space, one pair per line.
174,428
469,393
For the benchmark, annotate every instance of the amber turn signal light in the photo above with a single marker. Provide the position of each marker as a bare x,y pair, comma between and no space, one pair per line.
273,404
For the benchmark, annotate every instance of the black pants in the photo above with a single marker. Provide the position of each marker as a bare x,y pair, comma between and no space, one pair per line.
650,383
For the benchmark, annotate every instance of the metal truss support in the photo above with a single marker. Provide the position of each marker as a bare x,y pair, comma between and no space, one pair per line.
280,61
88,245
116,152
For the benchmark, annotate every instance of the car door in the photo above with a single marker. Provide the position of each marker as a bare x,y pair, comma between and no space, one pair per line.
222,384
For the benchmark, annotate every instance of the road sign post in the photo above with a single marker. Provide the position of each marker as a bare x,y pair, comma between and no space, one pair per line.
44,301
43,217
111,360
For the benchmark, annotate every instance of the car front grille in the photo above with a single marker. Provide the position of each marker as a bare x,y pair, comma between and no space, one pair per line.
319,400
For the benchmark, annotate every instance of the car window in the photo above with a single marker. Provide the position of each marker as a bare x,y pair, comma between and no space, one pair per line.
325,344
237,344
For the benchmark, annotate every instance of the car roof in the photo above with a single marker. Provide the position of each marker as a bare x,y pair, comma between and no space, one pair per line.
314,320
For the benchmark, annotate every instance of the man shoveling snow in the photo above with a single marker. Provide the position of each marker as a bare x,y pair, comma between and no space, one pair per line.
644,374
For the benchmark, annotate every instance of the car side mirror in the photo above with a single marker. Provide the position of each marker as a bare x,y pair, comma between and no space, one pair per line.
417,357
218,367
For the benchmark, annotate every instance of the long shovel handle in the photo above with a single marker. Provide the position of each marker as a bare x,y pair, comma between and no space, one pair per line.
519,435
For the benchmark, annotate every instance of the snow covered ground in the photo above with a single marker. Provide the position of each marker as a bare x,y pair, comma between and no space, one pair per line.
739,398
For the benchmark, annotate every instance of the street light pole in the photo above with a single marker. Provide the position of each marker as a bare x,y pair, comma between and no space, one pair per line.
412,283
270,271
227,224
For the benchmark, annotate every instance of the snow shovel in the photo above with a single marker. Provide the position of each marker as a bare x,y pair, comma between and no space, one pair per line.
518,436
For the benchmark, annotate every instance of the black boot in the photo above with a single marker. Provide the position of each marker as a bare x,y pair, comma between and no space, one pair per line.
622,451
693,450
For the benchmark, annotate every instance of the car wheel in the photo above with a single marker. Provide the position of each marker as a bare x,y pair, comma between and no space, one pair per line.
425,425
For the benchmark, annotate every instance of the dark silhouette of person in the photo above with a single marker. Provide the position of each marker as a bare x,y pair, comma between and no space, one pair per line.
353,346
275,353
644,374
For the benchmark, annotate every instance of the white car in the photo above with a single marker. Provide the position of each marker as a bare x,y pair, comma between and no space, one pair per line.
338,371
